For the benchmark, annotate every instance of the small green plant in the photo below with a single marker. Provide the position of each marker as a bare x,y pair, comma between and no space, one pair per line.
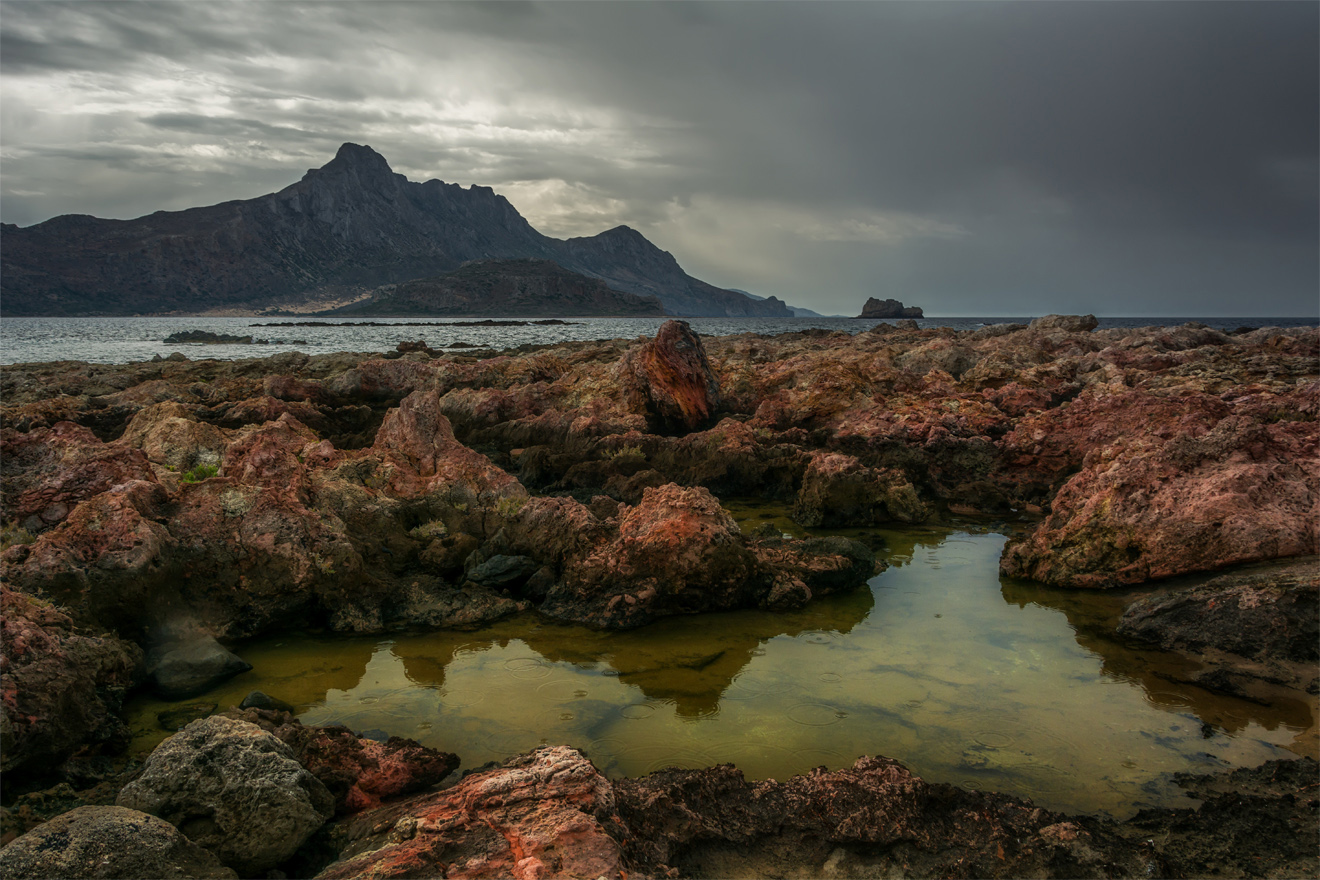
201,472
428,530
625,452
509,507
13,534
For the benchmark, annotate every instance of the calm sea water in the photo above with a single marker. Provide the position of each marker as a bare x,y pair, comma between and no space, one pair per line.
967,677
124,340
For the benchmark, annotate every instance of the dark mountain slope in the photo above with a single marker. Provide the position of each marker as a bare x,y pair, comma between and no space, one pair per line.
345,228
500,288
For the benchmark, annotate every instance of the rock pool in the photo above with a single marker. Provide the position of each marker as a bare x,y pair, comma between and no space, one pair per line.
965,676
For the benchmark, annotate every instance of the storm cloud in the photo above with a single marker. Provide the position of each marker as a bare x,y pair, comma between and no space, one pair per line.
977,158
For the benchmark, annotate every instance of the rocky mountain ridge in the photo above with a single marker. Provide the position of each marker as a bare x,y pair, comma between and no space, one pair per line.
343,230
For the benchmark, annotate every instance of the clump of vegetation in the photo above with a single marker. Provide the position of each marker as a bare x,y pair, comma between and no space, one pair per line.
201,472
509,507
626,453
428,531
13,534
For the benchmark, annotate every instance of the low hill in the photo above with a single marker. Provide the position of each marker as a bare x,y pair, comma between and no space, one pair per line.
506,288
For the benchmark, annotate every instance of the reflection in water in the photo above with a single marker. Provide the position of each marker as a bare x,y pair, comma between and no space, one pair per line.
967,679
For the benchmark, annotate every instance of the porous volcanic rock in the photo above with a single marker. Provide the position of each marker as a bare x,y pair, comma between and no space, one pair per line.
1065,323
108,842
838,490
548,813
233,789
360,773
60,686
671,378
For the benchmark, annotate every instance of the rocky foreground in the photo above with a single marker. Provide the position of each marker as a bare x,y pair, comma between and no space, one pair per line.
151,509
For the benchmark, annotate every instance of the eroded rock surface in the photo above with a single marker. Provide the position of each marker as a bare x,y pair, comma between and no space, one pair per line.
108,842
548,813
233,789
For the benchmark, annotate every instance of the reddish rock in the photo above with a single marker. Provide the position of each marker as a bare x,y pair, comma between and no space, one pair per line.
1244,491
47,472
360,773
59,686
420,456
678,552
169,434
670,378
545,814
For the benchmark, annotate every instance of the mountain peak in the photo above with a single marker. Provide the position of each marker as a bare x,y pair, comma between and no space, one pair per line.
359,154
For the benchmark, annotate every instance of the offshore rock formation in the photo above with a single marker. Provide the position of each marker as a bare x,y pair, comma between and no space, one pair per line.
890,308
339,233
517,288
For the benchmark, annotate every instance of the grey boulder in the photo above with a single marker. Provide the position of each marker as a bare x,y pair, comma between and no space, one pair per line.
233,789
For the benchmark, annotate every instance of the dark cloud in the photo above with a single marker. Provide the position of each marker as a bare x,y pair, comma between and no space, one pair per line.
974,156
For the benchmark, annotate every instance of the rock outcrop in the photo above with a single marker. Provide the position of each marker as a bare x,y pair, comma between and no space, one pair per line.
889,308
108,842
233,789
60,686
548,813
670,379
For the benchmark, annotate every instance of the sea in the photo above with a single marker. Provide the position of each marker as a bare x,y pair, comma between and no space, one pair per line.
126,340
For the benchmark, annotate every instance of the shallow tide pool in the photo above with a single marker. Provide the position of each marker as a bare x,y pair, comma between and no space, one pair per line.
966,677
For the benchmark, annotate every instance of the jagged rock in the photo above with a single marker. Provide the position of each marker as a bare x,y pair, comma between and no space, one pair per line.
1066,323
182,669
359,772
670,378
548,813
233,789
60,687
108,842
501,572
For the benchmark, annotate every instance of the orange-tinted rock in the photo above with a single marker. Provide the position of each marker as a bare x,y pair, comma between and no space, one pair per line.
548,813
670,378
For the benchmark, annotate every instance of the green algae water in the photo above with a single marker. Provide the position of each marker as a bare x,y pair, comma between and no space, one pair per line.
966,677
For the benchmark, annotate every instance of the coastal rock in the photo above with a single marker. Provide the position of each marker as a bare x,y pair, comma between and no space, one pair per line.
1255,624
60,687
670,378
1065,323
889,308
872,819
108,842
548,813
838,490
358,772
1244,491
47,472
233,789
181,669
169,434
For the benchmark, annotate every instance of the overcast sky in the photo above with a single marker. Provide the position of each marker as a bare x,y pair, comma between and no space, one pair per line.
972,158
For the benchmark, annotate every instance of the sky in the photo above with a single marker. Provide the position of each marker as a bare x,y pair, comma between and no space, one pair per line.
981,158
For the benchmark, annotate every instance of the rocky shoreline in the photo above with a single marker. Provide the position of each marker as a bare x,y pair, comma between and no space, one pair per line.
152,508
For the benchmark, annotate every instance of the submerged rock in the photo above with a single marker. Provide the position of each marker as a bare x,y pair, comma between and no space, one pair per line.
108,842
182,669
233,789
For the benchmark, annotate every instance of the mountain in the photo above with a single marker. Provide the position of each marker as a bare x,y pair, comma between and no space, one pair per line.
500,288
343,230
798,311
